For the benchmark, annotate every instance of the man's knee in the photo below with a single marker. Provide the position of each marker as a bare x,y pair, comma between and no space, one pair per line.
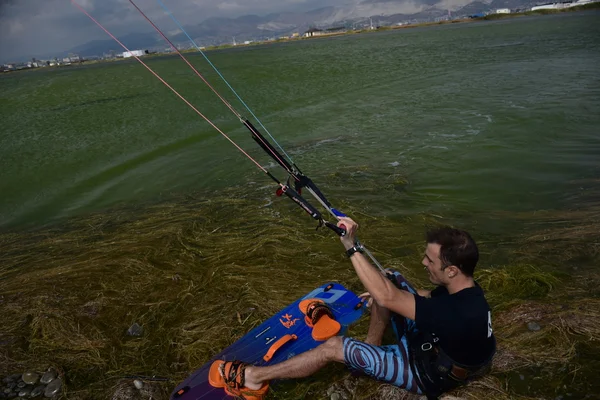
333,349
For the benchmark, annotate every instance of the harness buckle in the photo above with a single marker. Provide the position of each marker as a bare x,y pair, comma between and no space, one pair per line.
426,346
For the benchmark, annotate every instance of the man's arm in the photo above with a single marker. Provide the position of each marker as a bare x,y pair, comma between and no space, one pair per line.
424,293
384,292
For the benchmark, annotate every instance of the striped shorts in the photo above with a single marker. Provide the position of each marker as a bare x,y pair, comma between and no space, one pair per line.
386,363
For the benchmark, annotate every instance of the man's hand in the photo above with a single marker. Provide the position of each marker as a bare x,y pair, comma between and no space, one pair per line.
349,239
366,296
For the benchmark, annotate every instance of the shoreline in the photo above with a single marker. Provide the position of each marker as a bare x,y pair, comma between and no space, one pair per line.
489,17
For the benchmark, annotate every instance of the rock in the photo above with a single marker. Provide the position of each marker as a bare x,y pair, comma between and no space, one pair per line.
30,378
533,326
7,379
124,390
522,377
25,392
335,396
138,384
11,385
53,388
37,391
48,376
7,390
21,385
135,330
350,385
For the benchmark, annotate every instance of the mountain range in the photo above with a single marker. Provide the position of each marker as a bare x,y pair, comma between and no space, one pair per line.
253,27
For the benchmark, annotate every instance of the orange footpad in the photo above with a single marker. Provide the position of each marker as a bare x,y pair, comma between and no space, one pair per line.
230,376
319,316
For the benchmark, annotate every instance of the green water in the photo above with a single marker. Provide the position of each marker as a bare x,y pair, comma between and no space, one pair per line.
126,204
478,118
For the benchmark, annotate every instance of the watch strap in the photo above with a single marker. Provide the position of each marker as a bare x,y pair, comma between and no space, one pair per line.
354,249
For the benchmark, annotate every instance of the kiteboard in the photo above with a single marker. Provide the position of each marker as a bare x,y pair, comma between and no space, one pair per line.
281,337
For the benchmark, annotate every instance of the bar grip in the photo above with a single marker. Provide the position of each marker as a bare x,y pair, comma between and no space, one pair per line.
340,230
277,345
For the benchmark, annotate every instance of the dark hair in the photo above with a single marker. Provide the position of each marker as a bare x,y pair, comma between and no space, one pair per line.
457,248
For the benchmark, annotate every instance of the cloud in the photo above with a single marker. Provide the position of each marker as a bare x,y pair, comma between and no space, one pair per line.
15,28
44,27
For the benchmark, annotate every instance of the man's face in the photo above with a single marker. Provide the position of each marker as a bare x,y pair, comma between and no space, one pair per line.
433,263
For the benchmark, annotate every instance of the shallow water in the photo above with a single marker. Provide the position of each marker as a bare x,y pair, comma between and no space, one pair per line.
478,118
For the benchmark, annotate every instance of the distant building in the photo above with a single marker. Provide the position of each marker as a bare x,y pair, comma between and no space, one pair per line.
558,6
314,32
320,32
133,53
551,6
503,11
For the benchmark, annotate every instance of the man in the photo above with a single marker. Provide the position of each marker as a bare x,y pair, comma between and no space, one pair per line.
444,336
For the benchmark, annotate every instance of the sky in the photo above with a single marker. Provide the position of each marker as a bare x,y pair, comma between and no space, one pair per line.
39,27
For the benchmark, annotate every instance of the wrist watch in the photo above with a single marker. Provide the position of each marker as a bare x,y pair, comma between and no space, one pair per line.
357,248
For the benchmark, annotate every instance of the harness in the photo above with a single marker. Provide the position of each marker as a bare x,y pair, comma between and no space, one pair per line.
434,370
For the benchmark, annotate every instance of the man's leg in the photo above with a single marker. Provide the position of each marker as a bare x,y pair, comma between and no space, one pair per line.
380,318
389,364
300,366
401,323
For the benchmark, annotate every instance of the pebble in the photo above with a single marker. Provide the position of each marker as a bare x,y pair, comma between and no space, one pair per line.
38,391
138,384
25,392
30,378
335,396
135,330
7,390
48,376
533,326
53,388
21,385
